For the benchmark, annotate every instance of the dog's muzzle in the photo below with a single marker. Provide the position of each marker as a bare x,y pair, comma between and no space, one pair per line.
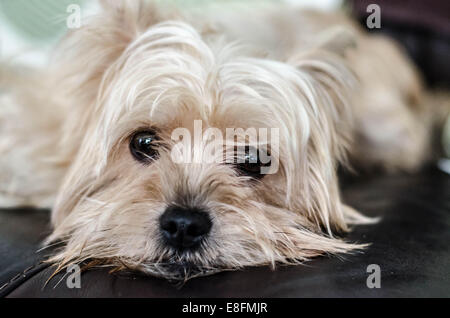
184,228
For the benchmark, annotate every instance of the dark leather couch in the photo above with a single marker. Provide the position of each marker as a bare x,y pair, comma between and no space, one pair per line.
410,244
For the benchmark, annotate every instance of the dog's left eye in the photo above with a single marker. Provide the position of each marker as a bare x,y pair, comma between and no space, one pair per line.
250,163
143,146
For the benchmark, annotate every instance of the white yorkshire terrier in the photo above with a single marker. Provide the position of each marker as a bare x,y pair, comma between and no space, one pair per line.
97,135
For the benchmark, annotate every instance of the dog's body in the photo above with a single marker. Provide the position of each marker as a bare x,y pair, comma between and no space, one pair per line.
329,89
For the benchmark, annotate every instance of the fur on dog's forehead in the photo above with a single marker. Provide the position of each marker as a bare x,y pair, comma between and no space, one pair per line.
169,76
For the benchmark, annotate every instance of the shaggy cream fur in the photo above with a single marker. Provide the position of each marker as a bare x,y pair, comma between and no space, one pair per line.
333,92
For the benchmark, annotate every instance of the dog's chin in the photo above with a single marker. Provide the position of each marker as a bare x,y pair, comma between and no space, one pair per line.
178,271
175,269
180,265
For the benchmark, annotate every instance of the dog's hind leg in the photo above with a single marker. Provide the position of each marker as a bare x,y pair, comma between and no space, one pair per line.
393,121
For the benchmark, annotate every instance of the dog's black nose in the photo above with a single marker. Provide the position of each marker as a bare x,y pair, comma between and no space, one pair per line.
184,228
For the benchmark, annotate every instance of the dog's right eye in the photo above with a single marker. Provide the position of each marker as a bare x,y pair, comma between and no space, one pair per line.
143,146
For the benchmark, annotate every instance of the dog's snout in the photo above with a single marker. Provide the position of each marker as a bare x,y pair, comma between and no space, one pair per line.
184,228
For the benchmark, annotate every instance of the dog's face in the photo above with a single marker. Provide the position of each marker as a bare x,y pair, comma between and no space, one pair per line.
127,201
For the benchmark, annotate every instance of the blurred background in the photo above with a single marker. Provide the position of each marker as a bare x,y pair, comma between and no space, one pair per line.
29,29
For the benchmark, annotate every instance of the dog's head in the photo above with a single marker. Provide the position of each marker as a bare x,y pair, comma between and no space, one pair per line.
158,180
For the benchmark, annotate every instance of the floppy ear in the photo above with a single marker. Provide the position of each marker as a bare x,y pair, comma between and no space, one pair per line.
86,55
82,178
83,64
331,124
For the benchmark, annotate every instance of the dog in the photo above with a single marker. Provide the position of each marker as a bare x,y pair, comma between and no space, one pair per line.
91,136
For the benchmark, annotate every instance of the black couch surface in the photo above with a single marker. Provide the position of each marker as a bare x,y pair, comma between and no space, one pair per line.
410,244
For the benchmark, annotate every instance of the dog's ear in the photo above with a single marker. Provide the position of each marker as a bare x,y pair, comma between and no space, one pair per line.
83,64
327,82
331,81
86,54
82,178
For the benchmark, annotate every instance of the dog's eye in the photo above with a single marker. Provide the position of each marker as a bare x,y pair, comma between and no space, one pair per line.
143,146
249,163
